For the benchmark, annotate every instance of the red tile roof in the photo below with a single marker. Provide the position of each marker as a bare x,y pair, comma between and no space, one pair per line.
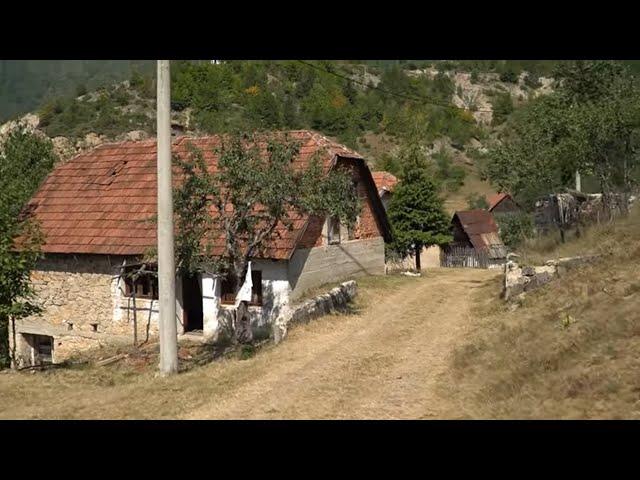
103,201
385,181
494,199
482,230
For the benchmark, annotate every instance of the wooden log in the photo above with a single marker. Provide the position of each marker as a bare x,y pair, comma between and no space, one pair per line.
109,361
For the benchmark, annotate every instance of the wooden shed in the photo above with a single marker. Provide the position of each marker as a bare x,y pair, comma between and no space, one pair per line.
502,203
476,241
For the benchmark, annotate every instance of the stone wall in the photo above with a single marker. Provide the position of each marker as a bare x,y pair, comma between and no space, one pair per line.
518,280
83,306
336,299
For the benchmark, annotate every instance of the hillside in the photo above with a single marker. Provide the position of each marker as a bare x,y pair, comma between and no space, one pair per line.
26,84
374,107
571,350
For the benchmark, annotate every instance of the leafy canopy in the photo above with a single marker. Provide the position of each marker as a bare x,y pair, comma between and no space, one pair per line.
590,123
25,160
255,188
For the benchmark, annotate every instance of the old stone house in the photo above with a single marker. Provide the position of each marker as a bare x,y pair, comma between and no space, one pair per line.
96,213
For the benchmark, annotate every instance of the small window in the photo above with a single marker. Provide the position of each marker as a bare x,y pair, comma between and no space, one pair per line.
145,285
228,297
333,233
94,327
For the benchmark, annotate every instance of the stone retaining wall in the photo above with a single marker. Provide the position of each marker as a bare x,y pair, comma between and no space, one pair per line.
336,299
518,280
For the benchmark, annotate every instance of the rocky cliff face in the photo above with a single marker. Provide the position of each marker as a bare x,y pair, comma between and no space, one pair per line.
67,147
476,95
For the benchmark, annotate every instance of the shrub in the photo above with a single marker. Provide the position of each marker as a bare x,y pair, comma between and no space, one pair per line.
81,90
532,80
509,76
502,107
514,227
476,201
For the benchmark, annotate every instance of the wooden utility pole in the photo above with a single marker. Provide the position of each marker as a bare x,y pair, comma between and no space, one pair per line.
166,260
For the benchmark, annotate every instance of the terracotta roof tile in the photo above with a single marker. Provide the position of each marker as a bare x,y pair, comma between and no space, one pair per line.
103,201
385,181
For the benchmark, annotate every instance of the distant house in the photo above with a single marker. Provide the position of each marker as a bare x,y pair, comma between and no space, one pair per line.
385,183
501,203
476,241
96,213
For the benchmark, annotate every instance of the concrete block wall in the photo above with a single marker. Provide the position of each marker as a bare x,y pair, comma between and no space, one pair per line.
309,268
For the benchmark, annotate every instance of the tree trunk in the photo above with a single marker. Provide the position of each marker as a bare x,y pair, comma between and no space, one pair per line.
244,335
418,266
5,354
135,316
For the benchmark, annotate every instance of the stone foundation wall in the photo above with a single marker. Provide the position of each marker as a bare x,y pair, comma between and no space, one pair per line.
518,280
83,306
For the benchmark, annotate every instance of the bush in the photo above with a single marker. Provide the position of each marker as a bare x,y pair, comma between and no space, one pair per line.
502,107
514,227
450,176
509,76
476,201
532,80
81,90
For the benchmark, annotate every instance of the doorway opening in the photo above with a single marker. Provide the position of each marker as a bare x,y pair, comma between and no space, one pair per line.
192,303
41,348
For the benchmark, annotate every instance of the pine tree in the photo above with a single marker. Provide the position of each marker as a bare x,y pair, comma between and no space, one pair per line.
416,212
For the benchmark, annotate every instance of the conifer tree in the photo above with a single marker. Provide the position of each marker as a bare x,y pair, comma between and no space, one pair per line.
415,211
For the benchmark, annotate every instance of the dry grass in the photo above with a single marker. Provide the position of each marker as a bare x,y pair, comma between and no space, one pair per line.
605,238
572,350
131,389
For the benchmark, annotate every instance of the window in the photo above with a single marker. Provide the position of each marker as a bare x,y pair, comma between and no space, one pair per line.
228,297
333,232
146,284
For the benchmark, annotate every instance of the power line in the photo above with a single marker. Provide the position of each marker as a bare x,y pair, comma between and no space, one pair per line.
389,92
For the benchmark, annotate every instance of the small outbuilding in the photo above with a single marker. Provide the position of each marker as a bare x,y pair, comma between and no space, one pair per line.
476,241
501,203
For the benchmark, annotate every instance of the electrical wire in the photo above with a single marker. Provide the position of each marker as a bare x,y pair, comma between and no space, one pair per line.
389,92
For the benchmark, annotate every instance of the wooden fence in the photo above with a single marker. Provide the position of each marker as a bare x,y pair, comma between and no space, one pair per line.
457,256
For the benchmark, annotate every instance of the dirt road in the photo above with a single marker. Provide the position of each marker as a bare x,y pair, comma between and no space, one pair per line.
383,361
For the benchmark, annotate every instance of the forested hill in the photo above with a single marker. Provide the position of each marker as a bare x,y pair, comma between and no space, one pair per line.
26,84
455,109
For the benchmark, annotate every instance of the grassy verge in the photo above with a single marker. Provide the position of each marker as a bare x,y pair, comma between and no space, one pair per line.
572,350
